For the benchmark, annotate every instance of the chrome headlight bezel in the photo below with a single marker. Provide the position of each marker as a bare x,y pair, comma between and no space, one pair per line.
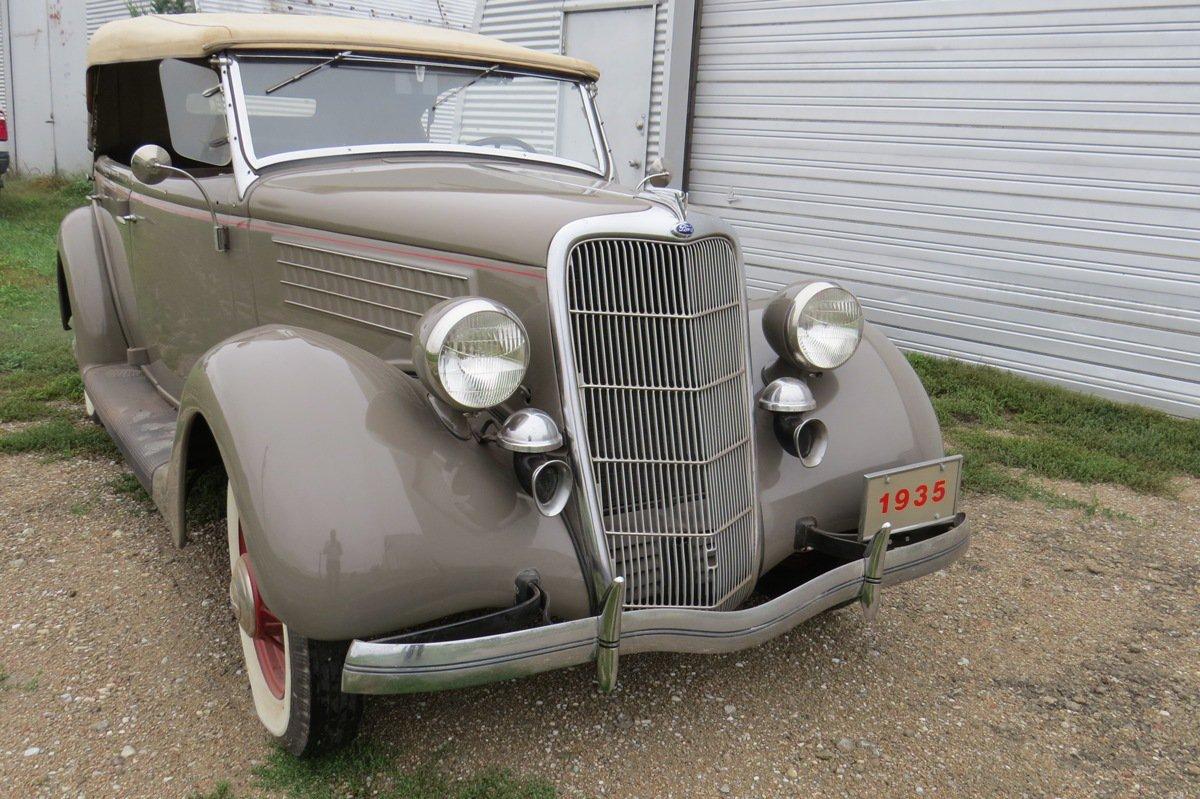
782,324
434,330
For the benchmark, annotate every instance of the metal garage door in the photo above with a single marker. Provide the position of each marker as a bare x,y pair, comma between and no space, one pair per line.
539,24
1007,181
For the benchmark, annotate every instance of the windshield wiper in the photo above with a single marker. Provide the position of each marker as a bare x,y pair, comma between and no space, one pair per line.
305,73
464,87
454,92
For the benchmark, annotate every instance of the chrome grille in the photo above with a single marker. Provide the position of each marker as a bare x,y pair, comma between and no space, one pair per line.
658,336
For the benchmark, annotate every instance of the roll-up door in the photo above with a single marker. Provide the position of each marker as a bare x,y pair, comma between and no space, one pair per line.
1004,181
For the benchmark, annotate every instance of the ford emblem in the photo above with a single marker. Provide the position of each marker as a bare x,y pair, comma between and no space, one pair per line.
684,229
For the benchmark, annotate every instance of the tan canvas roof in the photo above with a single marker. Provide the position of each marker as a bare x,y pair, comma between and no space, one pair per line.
153,37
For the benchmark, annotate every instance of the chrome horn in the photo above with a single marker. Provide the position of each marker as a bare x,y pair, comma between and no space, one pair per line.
548,480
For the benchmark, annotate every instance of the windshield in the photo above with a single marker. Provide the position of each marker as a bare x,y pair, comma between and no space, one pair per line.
354,103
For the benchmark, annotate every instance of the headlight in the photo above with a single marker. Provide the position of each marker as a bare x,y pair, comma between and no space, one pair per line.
815,325
471,352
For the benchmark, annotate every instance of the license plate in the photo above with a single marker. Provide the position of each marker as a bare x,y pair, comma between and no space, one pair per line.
911,496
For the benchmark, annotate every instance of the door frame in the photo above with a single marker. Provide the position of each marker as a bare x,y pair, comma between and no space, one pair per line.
678,89
572,6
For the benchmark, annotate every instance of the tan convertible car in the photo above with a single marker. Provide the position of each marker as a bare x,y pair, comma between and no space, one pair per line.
482,411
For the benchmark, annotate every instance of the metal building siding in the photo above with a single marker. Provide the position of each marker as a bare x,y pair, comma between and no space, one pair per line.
102,11
536,24
445,13
1005,181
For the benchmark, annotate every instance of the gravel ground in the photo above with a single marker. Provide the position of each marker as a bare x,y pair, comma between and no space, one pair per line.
1060,657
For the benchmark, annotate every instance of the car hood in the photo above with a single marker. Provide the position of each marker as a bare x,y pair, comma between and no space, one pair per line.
507,212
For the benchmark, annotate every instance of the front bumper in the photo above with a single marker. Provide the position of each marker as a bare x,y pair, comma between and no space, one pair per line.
380,668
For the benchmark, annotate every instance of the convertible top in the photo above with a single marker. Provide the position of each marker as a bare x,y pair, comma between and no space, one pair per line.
155,36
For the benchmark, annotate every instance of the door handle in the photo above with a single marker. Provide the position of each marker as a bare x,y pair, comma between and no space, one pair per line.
128,219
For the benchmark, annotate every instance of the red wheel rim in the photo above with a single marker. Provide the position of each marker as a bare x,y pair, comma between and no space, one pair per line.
268,634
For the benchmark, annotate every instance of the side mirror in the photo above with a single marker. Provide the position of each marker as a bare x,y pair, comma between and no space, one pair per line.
150,164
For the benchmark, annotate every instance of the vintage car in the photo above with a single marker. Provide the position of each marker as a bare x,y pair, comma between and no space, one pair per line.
482,411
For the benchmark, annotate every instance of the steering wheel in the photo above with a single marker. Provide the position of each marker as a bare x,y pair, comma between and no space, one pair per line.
501,141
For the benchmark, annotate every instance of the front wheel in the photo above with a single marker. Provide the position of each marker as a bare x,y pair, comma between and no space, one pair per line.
295,681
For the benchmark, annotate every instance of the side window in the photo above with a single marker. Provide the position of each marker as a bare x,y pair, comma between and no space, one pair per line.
195,112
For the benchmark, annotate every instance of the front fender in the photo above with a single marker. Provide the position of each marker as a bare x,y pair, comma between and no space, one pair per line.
878,416
362,513
87,307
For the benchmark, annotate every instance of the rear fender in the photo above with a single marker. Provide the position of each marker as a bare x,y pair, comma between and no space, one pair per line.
85,296
362,513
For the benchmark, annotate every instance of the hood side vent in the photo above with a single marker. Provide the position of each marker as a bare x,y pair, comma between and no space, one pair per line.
384,295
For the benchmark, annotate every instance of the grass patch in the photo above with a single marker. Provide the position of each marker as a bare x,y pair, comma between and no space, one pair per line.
60,436
364,770
221,791
128,486
38,379
1009,428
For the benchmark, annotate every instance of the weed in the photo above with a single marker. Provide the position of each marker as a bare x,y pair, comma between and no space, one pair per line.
365,770
221,791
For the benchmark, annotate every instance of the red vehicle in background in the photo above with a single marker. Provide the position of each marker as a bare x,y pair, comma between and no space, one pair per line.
3,145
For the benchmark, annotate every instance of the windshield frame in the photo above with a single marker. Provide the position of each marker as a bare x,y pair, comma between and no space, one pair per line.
245,131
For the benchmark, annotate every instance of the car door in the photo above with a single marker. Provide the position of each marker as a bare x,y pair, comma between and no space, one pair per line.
111,198
186,289
190,295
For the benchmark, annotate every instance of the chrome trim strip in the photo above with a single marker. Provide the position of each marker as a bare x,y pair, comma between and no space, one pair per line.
410,668
704,387
647,315
341,296
358,279
285,242
716,456
395,330
243,173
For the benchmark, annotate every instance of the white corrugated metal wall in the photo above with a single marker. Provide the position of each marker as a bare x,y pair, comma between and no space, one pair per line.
101,11
447,13
1013,182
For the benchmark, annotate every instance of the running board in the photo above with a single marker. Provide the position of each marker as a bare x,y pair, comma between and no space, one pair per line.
137,417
